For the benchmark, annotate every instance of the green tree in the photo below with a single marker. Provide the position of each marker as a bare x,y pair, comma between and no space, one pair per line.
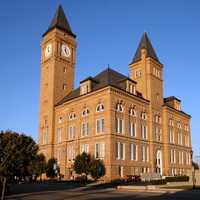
52,169
38,166
82,164
97,169
16,155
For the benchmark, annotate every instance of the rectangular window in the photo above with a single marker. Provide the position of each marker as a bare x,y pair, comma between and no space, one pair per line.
143,153
171,135
71,152
133,152
71,132
179,137
144,131
179,158
132,129
174,156
59,154
120,126
117,150
84,148
171,156
120,151
100,150
44,139
100,126
59,135
182,157
84,129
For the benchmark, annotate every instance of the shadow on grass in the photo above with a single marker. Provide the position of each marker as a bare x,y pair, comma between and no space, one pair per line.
42,186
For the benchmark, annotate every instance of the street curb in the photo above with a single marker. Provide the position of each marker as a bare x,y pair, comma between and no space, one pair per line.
146,189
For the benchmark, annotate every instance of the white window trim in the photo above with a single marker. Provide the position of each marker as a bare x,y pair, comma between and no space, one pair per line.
86,132
132,145
84,148
102,125
118,126
101,107
102,150
119,151
73,134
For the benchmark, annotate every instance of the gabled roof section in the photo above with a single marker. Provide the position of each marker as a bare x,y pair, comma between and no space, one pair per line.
60,21
108,77
145,43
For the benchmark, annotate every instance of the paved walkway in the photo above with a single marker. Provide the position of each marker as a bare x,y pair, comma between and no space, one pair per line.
104,194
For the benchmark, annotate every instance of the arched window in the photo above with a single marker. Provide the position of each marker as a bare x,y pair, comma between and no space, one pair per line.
85,112
100,107
119,107
132,111
72,116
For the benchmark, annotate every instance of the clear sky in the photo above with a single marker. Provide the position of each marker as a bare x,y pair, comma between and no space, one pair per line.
108,32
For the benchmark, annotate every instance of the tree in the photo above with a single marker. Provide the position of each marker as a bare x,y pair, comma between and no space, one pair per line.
16,154
52,169
17,151
38,165
82,164
97,169
195,165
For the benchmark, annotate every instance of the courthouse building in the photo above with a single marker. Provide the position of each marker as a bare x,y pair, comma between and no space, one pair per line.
125,121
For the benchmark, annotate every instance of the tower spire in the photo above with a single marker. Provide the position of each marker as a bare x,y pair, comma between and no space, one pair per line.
145,43
60,21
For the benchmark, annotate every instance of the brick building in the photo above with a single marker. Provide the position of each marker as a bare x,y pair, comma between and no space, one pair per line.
123,120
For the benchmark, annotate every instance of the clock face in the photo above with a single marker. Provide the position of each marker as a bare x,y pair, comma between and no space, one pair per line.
65,50
48,50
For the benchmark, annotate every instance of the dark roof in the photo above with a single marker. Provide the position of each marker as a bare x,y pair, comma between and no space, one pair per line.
171,98
146,44
179,111
108,77
60,21
87,79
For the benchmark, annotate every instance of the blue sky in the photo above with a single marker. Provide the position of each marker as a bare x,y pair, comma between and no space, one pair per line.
108,32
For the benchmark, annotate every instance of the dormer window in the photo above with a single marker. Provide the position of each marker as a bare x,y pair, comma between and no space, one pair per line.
72,116
130,87
85,112
85,87
100,107
132,112
119,107
144,115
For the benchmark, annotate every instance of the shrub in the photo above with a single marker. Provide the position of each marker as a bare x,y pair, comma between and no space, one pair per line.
52,169
97,169
177,178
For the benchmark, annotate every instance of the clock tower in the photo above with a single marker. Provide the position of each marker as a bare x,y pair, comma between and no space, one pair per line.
58,55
